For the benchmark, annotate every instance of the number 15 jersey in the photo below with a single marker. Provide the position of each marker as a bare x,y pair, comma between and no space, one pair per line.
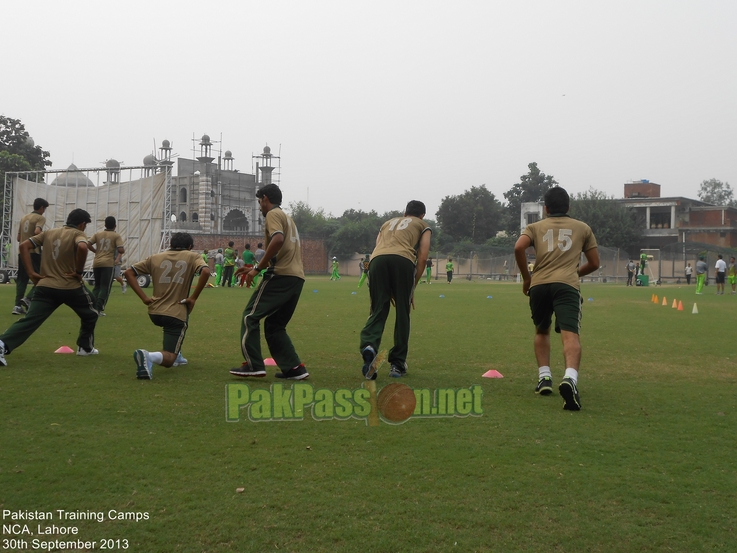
559,241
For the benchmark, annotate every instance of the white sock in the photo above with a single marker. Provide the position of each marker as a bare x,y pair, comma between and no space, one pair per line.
156,357
572,374
544,371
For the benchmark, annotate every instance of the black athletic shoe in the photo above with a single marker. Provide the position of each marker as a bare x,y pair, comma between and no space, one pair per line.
398,371
569,393
369,367
246,370
297,373
544,386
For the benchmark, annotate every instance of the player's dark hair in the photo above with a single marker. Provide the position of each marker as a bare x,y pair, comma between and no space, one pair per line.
557,200
181,241
259,245
78,216
719,256
230,244
271,191
248,246
415,208
110,222
38,203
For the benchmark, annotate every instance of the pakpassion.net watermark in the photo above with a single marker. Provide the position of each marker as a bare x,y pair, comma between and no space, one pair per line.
394,403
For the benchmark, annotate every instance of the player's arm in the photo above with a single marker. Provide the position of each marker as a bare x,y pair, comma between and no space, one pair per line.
201,283
423,250
592,262
132,280
119,255
26,247
80,258
520,256
276,243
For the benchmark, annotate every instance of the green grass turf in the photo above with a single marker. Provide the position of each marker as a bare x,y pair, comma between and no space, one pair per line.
647,465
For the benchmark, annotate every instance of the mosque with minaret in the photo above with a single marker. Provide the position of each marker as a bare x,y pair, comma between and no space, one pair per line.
207,195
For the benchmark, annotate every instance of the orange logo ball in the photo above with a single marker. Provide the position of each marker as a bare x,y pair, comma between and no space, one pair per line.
396,402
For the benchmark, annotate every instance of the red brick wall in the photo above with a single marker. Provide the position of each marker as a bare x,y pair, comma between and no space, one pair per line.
314,254
641,190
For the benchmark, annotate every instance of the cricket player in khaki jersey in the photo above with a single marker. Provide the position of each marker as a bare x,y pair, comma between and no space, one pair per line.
106,245
30,225
172,273
62,261
275,300
554,287
397,264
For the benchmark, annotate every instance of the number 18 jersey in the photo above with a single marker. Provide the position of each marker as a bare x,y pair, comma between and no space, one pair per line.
559,241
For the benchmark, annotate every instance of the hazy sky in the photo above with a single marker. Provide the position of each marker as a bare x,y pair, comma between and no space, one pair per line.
376,103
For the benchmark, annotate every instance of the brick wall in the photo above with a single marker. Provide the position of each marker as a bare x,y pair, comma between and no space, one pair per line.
314,254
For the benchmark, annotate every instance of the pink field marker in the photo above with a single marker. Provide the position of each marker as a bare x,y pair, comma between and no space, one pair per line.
492,374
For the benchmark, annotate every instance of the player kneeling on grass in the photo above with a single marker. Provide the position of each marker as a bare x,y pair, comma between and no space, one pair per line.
172,273
553,287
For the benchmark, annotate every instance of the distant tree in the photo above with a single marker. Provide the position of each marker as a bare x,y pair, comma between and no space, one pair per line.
530,188
714,191
475,215
17,147
311,222
355,233
613,224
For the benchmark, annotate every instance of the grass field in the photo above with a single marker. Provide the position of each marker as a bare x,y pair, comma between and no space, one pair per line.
647,465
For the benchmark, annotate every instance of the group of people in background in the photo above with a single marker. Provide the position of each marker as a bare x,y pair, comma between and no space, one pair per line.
724,273
228,261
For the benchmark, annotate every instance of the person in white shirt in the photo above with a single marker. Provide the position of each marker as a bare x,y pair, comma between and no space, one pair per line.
721,267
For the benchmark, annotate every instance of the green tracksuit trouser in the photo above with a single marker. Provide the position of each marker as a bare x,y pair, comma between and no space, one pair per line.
45,301
392,276
274,301
103,284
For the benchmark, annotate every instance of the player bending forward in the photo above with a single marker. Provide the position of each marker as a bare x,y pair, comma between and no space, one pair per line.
559,241
172,273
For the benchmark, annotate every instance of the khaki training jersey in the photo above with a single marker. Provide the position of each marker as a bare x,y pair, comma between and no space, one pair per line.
288,262
108,242
172,273
558,243
59,256
27,227
400,236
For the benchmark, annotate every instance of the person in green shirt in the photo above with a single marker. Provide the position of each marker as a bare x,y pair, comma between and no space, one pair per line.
249,260
449,269
364,269
335,275
228,264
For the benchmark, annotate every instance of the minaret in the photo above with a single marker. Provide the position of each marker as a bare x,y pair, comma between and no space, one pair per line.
228,161
208,210
113,171
265,167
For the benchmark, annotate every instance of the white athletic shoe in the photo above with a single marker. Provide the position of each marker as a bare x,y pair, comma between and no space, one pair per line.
180,360
83,353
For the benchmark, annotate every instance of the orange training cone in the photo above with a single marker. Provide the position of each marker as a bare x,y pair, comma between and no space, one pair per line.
665,301
655,301
675,304
695,310
680,305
